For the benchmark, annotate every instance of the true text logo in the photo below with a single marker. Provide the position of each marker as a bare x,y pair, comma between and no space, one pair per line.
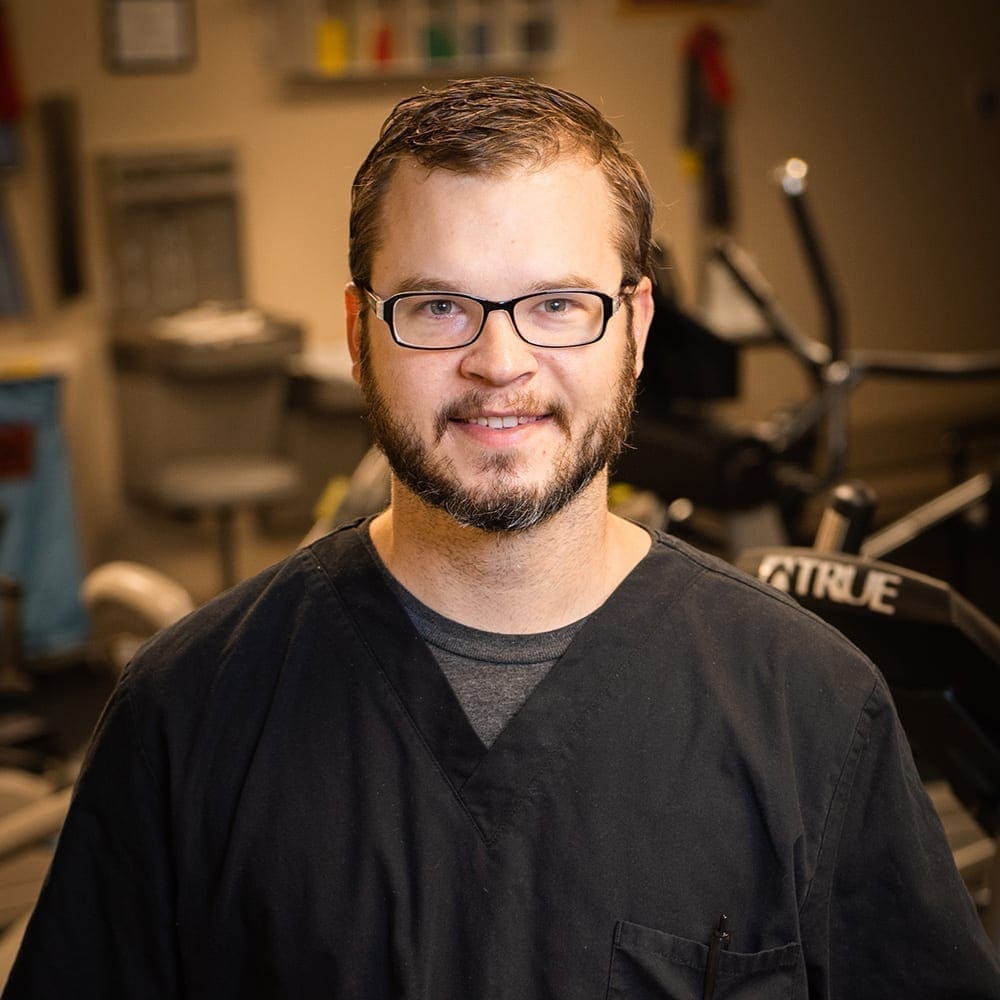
830,580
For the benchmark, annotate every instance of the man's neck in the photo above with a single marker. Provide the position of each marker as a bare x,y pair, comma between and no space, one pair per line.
515,582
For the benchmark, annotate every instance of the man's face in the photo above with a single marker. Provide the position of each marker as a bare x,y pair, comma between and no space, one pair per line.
564,412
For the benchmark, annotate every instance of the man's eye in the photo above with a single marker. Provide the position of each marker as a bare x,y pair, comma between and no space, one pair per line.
440,308
560,305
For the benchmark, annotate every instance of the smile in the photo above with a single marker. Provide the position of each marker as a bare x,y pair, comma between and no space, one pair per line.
497,423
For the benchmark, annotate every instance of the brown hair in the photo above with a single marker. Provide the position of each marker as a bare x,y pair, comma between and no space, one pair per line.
490,126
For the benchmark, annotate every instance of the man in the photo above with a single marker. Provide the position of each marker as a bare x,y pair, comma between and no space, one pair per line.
496,742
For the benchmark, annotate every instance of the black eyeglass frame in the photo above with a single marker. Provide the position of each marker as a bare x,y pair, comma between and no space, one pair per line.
383,309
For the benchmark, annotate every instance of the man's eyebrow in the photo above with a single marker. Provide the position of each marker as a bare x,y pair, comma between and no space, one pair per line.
425,283
564,281
430,283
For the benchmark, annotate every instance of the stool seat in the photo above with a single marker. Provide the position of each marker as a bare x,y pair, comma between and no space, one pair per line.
221,484
214,482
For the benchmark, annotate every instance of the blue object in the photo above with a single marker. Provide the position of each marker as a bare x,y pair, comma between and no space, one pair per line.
38,545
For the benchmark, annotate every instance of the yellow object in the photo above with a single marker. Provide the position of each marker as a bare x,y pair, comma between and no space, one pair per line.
22,368
329,501
331,46
691,163
620,493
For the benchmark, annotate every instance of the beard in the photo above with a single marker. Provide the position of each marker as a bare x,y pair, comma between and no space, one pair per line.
505,504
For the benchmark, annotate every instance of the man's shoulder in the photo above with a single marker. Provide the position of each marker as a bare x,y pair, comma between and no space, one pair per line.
251,623
703,571
743,618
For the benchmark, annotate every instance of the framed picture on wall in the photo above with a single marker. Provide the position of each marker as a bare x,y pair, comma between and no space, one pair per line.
631,5
148,36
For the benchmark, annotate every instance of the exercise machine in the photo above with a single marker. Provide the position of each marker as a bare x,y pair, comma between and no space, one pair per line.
939,653
758,479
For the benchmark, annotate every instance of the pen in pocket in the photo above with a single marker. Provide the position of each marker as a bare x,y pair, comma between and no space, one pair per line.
718,941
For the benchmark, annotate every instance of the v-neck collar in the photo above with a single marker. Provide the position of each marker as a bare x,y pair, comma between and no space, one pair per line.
493,784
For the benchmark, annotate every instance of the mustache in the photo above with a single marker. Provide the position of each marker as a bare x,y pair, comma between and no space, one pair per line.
478,401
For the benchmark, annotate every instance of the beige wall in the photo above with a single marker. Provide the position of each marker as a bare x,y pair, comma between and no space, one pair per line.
876,96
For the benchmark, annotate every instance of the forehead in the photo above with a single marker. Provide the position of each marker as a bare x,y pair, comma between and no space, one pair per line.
483,233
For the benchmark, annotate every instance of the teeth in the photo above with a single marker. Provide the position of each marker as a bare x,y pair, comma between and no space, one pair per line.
497,423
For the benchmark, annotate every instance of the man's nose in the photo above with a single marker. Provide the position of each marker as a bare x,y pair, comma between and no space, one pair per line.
499,356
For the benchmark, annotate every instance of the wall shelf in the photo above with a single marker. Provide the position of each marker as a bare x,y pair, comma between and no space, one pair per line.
397,39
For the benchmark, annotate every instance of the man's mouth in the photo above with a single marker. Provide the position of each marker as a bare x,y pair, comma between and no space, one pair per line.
498,423
478,409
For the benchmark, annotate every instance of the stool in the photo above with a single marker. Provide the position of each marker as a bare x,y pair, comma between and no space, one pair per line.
203,420
221,485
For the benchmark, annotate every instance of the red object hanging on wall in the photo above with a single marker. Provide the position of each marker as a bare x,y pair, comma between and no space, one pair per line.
11,98
708,98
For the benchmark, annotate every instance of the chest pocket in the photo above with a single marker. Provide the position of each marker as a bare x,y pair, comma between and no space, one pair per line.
650,965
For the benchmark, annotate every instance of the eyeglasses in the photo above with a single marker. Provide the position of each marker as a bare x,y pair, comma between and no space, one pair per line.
441,321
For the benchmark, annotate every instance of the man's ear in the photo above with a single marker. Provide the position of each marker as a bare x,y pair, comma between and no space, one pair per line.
352,312
642,317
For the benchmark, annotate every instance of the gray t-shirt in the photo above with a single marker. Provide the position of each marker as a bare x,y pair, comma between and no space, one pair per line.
491,673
